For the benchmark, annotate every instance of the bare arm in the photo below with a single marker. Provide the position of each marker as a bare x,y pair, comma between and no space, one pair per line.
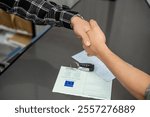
133,79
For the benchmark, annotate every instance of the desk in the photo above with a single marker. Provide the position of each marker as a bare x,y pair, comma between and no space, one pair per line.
33,75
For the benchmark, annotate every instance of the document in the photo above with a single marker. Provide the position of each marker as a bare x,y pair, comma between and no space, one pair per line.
73,81
100,68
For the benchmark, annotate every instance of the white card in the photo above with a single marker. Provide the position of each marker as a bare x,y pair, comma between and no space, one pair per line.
80,83
100,68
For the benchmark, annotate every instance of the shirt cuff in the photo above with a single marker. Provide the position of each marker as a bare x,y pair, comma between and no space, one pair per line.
64,18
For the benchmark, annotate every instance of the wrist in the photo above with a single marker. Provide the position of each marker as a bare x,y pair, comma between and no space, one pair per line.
102,50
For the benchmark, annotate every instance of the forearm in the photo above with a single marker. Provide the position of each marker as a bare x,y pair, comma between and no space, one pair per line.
130,77
40,12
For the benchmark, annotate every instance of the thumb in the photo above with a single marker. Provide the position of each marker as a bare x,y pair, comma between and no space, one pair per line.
86,39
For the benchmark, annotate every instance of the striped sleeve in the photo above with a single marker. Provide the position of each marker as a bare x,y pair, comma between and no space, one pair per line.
41,12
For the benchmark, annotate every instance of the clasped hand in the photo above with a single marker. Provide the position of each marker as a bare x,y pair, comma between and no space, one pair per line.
92,37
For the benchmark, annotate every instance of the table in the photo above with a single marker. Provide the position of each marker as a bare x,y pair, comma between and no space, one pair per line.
33,75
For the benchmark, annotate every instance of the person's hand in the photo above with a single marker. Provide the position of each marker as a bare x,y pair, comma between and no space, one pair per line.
81,27
97,39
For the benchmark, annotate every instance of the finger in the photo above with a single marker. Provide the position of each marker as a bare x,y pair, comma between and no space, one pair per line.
89,33
86,40
86,49
93,23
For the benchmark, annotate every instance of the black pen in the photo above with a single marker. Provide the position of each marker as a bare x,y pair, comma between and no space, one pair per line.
85,66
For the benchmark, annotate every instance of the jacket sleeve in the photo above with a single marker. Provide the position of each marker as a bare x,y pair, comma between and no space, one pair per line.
41,12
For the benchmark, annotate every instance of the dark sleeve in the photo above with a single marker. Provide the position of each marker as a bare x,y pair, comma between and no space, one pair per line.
41,12
6,4
147,93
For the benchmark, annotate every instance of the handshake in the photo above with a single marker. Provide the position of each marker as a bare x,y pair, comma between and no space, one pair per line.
92,37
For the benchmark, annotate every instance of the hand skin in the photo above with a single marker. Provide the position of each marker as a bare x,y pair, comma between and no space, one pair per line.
80,27
133,79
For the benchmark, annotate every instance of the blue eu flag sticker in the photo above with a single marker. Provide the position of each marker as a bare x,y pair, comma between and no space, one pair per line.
69,83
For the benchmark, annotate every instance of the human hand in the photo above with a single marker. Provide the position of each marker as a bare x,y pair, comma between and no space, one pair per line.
81,27
97,39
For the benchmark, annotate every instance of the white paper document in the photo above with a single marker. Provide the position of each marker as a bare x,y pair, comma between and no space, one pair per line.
80,83
100,68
